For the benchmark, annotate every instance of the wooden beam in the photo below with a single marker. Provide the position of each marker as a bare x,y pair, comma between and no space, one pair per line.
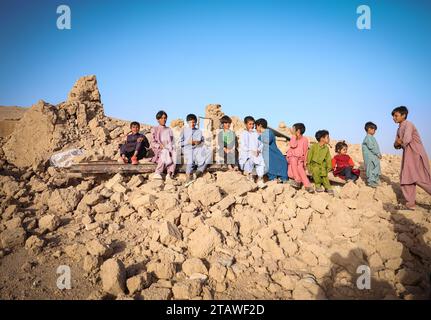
109,167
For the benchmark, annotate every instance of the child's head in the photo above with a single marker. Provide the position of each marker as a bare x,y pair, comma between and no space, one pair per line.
341,147
226,121
135,127
322,136
299,129
249,123
400,114
370,128
161,117
191,120
261,125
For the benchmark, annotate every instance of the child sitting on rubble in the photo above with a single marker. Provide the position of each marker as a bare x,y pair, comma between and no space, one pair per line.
162,144
297,158
227,144
319,162
194,150
250,153
135,145
275,162
343,165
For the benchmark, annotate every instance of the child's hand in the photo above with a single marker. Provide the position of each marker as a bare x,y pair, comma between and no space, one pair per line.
226,150
140,139
162,146
399,142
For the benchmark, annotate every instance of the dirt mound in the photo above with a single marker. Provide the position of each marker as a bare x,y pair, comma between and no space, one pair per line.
79,122
9,116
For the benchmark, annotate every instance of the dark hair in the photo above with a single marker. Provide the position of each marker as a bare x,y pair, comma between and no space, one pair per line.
262,122
300,127
160,114
134,123
321,134
248,119
340,145
371,125
226,119
191,117
401,110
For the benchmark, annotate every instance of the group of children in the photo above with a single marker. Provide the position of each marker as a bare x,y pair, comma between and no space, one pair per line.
258,154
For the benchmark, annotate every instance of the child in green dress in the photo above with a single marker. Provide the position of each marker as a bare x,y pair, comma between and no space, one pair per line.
319,162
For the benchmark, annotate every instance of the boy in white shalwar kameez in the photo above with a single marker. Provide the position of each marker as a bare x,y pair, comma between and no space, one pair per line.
194,150
250,152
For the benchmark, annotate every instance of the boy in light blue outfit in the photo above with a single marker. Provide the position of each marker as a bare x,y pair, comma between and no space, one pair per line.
194,150
372,156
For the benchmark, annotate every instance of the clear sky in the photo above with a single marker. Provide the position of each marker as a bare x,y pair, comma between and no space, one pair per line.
292,61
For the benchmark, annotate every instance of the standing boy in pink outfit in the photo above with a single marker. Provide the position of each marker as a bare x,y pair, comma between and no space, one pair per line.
415,167
297,158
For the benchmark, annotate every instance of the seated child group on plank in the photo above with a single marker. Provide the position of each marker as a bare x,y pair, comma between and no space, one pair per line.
257,154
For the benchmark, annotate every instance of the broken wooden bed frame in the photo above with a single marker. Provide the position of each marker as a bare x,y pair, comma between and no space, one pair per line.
113,167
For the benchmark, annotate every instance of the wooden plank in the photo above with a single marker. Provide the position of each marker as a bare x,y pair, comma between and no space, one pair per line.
109,167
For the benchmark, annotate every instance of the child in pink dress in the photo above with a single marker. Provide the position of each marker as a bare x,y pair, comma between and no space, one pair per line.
297,158
415,167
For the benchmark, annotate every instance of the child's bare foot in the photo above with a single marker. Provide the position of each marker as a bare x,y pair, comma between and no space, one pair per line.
123,159
295,184
406,207
157,176
309,189
330,191
190,179
249,177
135,160
261,184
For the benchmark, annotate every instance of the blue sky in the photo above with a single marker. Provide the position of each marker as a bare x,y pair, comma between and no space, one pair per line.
292,61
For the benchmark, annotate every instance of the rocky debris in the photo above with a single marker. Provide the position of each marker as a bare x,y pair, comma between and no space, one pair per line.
62,201
113,275
96,248
204,194
34,244
234,184
203,241
85,89
156,293
169,233
187,289
217,272
162,270
49,223
91,263
12,238
138,283
194,265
